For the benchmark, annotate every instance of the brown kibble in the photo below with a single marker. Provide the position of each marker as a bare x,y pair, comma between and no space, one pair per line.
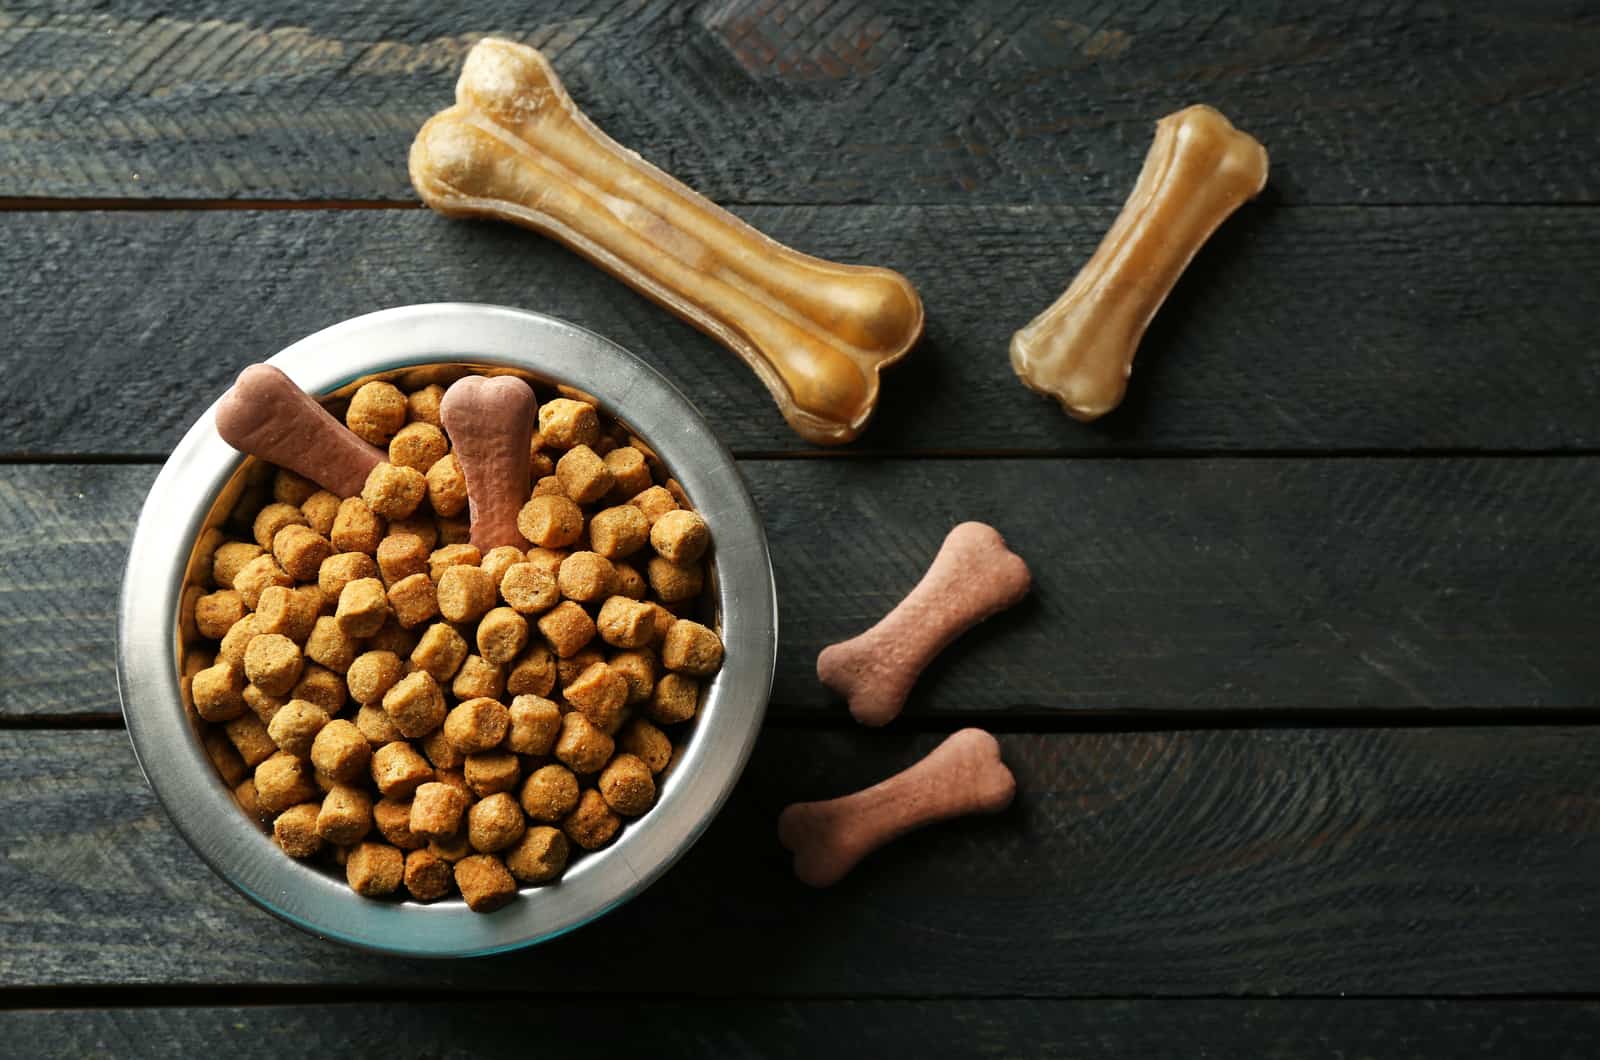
674,583
675,489
534,674
294,727
436,811
400,556
447,486
341,751
395,638
529,589
217,692
675,699
300,551
289,488
215,613
394,492
320,510
548,486
585,576
427,876
283,781
295,830
564,423
491,772
627,581
393,818
550,521
638,668
582,746
626,623
567,627
376,725
397,769
535,724
256,576
330,645
502,634
230,558
499,560
342,568
593,824
273,518
415,705
484,883
418,446
627,785
419,525
251,739
363,607
321,686
346,815
548,560
567,670
413,600
377,410
680,536
422,406
476,725
440,652
456,779
374,870
263,705
601,694
372,674
236,640
465,593
618,532
691,648
647,743
540,856
583,475
630,474
451,849
188,631
495,823
540,463
229,766
457,555
272,662
357,528
654,503
441,752
244,793
478,678
550,793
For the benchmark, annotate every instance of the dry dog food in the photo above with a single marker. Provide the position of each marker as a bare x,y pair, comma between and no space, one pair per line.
441,705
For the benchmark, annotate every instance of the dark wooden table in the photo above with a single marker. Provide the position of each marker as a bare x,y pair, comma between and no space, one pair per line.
1301,709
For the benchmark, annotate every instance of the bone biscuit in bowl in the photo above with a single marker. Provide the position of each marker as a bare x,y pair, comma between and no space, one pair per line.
515,147
1080,350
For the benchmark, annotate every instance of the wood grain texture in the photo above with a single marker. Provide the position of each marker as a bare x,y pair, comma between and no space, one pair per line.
814,100
1304,329
1266,862
1179,1030
1159,585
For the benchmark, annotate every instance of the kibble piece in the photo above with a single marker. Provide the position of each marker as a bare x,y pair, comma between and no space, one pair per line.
454,531
264,706
548,486
254,577
534,673
675,699
582,746
187,603
418,446
529,588
283,781
691,648
495,823
295,726
230,558
400,556
564,423
626,623
627,785
499,560
601,694
341,751
321,686
296,830
460,555
441,752
491,772
415,705
476,725
427,876
357,528
393,819
300,551
376,725
372,674
618,532
289,488
393,637
478,678
540,856
363,607
535,724
215,613
638,668
664,620
550,521
273,518
217,692
346,815
585,576
502,634
627,581
567,670
484,883
680,536
393,492
342,568
436,811
630,474
465,593
422,406
413,600
549,793
584,476
244,793
567,628
654,503
674,583
592,824
377,410
447,486
226,760
251,739
549,560
374,870
647,743
320,510
397,769
451,849
419,525
273,662
456,779
440,652
329,645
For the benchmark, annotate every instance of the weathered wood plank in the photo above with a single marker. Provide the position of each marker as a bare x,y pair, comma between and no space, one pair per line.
1304,329
1167,585
1353,1030
1263,862
814,100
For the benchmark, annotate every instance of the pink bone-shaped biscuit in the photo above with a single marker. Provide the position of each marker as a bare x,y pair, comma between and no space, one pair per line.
490,421
974,576
266,415
964,775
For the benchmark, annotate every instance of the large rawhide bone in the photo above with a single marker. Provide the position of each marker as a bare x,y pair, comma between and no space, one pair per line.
1080,350
974,576
963,775
515,147
490,421
266,415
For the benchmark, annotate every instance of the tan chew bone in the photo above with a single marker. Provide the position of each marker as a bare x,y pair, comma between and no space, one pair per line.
490,422
964,775
266,415
974,576
1080,350
515,147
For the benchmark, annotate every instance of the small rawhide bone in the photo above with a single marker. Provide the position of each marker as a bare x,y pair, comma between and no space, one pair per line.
490,421
974,576
515,147
964,775
1080,350
266,415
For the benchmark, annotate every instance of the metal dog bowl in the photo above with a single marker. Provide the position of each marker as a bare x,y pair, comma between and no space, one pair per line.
198,488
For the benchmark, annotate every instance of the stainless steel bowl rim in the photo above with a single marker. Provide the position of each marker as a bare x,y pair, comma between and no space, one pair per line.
202,807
